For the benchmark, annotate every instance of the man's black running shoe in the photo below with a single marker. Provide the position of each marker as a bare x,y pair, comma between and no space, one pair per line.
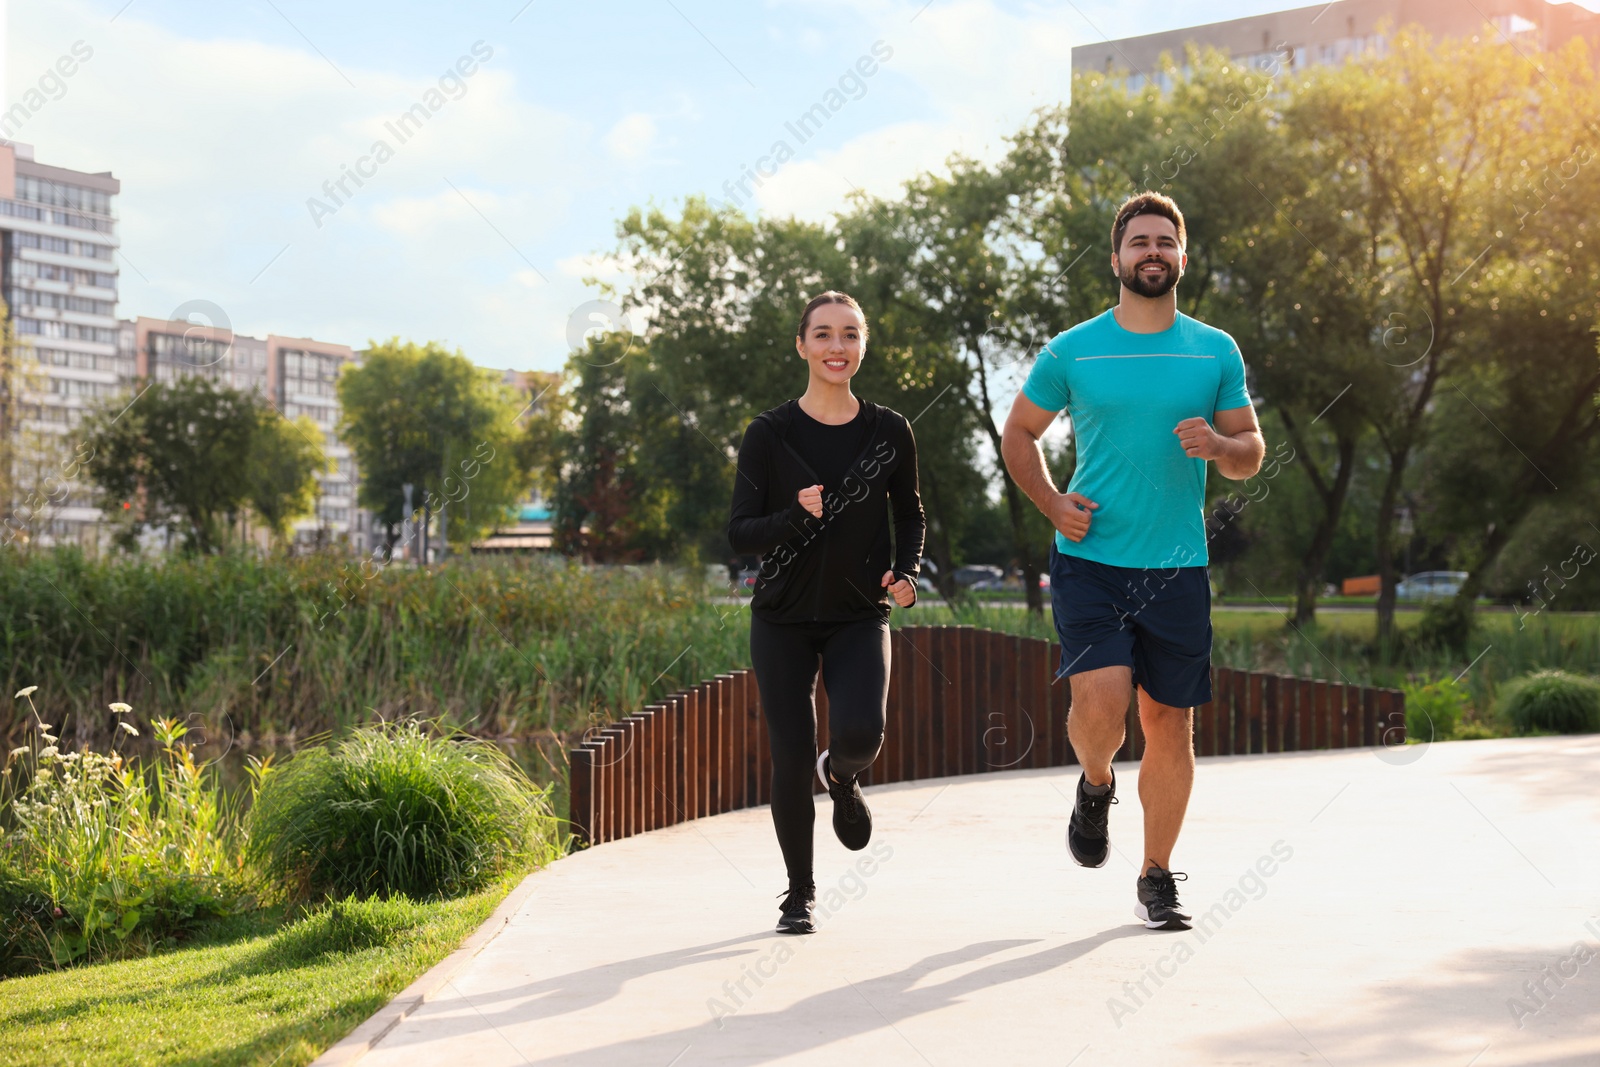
1158,900
798,905
852,822
1088,833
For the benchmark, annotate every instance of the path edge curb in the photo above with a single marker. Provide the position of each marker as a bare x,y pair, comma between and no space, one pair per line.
358,1042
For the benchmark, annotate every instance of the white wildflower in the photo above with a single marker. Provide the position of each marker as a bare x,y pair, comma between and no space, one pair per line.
128,726
120,708
25,692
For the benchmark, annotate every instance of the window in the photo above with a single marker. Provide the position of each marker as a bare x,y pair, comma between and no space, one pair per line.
62,301
62,245
76,331
62,194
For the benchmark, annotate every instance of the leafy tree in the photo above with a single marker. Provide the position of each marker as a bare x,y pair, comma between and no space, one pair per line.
608,504
723,294
176,458
423,415
285,458
1424,138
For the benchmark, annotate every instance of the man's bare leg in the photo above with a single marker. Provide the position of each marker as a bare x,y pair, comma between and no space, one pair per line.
1166,777
1097,722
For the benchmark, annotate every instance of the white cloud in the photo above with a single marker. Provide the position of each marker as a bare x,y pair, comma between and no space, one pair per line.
220,143
632,137
980,70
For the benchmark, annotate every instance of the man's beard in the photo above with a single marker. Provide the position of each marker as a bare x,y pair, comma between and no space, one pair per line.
1147,287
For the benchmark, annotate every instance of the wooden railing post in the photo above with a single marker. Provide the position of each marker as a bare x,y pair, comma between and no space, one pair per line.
1305,736
580,793
894,711
1061,754
1272,712
611,820
1036,690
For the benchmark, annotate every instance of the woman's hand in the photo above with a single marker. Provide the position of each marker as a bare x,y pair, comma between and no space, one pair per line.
811,499
904,593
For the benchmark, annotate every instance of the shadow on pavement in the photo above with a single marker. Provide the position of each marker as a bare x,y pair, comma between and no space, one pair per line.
581,990
1424,1018
837,1014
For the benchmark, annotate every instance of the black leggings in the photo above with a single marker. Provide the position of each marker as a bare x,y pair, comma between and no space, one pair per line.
855,674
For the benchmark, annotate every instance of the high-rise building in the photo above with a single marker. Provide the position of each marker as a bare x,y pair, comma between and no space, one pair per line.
58,274
1325,34
306,373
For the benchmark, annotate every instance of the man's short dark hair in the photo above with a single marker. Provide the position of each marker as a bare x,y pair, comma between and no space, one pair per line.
1147,203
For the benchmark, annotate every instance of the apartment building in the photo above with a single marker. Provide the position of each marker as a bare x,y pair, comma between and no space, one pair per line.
58,274
1326,34
306,373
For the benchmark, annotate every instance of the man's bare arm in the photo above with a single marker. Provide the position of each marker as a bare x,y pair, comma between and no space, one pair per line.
1234,443
1024,460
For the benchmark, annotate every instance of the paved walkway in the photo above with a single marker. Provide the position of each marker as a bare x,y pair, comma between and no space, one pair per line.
1359,910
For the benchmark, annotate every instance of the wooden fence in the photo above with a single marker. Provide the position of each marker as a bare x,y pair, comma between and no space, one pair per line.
961,701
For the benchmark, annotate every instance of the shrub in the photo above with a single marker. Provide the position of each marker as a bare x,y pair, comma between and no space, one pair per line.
1434,709
1552,702
105,857
390,810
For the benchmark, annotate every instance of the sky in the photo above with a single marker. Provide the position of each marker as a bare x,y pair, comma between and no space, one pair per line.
231,124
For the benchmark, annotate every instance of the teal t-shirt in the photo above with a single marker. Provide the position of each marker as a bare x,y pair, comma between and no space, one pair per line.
1125,393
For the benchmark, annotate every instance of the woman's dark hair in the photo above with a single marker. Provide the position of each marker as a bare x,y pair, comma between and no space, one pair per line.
1147,203
832,296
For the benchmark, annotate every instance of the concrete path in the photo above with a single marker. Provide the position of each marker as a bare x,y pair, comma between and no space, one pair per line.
1437,905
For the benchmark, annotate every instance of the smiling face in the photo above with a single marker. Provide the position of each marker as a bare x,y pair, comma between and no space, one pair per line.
1150,261
832,344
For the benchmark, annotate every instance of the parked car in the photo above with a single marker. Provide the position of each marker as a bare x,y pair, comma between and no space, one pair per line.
1430,585
973,573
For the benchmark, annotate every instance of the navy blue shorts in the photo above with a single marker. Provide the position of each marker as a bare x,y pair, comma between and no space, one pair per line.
1156,621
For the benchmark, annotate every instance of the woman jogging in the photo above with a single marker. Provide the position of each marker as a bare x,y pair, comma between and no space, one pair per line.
809,496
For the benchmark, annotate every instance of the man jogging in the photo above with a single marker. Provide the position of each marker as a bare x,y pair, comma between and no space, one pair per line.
1152,394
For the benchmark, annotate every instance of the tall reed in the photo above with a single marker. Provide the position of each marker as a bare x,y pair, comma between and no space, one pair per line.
287,648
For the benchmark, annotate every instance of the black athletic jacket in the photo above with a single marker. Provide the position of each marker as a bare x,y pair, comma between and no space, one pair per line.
827,569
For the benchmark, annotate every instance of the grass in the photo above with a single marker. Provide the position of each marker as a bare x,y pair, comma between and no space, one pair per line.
250,996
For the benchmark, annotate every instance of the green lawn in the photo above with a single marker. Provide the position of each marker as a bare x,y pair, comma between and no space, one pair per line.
257,994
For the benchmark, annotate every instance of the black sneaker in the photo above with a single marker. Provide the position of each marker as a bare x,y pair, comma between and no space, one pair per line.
799,902
1088,833
852,822
1158,900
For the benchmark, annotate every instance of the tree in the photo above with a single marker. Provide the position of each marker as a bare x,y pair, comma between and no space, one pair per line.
423,415
1424,139
723,295
285,458
175,458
